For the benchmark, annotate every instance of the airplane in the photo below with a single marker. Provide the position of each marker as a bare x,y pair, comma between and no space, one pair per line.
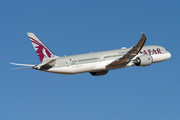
96,63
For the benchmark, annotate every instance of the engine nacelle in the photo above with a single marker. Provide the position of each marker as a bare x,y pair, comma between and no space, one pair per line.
99,73
143,60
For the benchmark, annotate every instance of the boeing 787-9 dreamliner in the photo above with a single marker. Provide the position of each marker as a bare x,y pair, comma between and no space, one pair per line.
97,63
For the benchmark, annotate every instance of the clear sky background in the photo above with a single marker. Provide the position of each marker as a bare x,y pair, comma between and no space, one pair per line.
71,27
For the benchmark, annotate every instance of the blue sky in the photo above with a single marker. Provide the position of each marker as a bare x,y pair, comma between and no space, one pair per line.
70,27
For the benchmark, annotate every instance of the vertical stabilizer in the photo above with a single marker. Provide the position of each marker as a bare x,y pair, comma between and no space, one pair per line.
42,51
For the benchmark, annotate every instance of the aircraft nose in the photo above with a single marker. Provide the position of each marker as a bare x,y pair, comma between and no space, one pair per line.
168,55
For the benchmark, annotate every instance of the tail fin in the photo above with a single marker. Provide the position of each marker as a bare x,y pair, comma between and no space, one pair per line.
42,51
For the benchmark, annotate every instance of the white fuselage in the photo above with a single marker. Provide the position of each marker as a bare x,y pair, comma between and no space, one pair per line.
92,62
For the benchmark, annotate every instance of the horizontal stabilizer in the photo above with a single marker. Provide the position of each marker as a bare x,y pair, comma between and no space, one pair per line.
30,65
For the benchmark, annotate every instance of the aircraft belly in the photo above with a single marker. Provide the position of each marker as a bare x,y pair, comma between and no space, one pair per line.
59,70
74,69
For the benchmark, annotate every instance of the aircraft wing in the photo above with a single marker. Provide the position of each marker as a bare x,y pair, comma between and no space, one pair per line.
123,61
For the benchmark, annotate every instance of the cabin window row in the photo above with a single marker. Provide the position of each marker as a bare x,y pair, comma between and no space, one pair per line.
112,56
87,59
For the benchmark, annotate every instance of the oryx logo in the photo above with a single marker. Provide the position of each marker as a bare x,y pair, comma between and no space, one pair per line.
41,50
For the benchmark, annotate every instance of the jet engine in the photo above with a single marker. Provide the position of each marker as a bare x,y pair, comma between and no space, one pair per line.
143,60
99,73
